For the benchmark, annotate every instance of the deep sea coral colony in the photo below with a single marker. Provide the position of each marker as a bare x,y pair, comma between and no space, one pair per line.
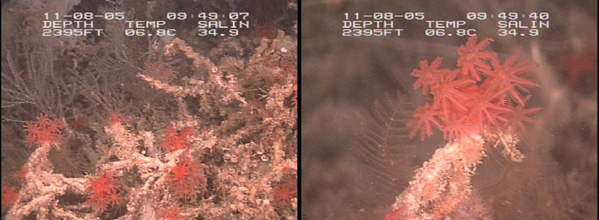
241,166
482,101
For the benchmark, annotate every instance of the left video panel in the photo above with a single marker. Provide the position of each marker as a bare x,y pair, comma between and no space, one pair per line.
123,109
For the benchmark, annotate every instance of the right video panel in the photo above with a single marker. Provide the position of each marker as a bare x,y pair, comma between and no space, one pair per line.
449,109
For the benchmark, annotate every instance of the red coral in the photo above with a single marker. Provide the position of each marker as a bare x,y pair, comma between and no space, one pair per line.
455,127
284,194
520,115
285,190
104,191
44,131
470,103
10,196
448,95
178,140
116,119
510,75
186,178
484,109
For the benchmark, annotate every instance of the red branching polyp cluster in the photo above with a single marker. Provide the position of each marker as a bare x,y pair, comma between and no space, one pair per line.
176,140
481,94
43,131
186,178
104,191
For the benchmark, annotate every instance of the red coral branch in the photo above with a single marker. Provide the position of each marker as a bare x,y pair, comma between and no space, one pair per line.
466,103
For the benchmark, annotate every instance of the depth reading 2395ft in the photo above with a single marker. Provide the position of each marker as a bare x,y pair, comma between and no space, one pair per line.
381,24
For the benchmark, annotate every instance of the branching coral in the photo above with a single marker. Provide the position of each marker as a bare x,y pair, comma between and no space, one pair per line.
479,102
466,99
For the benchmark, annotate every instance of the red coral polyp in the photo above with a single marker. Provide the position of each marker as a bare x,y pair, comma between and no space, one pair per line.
285,190
429,75
104,191
175,140
187,178
43,131
116,119
425,118
473,58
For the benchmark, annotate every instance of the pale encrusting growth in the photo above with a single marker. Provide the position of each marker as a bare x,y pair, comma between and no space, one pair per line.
442,183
